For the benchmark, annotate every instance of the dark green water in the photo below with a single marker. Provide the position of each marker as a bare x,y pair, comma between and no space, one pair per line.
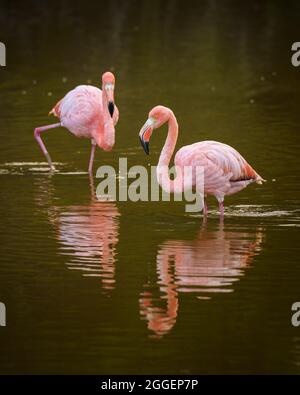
95,287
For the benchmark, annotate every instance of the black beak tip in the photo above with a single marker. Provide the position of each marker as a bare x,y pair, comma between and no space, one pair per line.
111,108
145,145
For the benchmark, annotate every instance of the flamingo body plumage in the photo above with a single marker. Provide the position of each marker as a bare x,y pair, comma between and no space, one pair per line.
79,112
225,170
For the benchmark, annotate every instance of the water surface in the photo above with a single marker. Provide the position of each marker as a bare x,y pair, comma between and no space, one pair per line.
123,287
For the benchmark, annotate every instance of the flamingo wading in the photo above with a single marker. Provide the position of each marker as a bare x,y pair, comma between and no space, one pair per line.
225,170
86,111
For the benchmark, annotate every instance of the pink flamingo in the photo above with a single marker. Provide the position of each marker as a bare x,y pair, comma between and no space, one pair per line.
225,170
87,112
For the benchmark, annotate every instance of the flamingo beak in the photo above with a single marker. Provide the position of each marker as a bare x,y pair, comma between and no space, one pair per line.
145,135
109,88
145,145
111,108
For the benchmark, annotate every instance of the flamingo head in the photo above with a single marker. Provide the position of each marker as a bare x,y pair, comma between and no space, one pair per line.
108,86
157,117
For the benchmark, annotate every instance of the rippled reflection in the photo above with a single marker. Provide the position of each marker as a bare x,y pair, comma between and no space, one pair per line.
88,235
209,264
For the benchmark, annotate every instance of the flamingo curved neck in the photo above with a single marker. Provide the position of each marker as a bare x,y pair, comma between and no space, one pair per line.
108,126
162,171
106,114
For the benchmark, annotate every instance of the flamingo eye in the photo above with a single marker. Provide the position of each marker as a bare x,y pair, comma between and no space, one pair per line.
109,87
152,121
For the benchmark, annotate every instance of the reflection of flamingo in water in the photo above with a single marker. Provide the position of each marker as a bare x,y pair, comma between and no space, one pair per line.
209,264
88,234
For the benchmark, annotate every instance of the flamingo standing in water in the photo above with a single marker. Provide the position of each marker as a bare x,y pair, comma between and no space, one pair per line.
225,170
87,112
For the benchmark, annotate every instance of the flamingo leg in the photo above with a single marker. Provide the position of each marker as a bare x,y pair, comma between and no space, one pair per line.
37,132
205,208
221,209
92,156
